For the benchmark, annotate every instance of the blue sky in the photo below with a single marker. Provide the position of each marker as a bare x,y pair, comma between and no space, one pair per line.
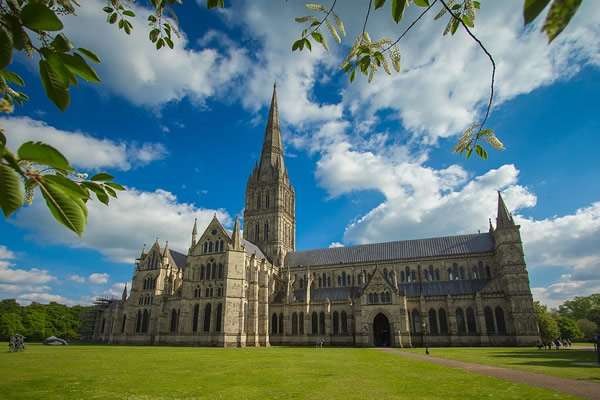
182,130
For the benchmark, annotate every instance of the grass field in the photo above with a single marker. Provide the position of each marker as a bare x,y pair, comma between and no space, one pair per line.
137,372
551,362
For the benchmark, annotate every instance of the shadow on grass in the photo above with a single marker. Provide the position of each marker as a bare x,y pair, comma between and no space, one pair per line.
553,359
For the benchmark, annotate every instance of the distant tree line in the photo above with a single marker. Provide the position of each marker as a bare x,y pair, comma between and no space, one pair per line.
574,319
38,321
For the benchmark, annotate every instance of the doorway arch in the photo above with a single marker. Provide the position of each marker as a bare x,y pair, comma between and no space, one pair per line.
381,331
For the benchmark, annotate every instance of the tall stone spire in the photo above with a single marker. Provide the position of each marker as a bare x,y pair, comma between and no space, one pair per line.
194,232
236,242
504,218
272,151
124,295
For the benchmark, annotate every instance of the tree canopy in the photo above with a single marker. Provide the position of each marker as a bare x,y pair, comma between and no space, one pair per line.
35,27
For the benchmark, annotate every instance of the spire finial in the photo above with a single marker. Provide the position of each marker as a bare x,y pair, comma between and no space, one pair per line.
503,218
272,151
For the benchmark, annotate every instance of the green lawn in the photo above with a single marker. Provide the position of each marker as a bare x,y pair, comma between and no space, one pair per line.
137,372
551,362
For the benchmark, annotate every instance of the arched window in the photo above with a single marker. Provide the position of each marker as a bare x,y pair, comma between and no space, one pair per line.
145,321
344,323
481,270
359,279
274,324
202,272
315,323
462,273
267,200
385,274
344,278
471,325
426,275
322,323
402,278
301,323
210,247
370,298
320,282
416,321
195,321
443,320
103,323
336,323
138,322
488,273
207,292
500,320
450,275
413,276
294,324
205,247
257,232
460,321
221,245
489,320
220,271
207,318
214,271
281,323
339,280
124,321
144,284
437,274
173,320
431,272
407,270
219,316
266,232
433,326
258,198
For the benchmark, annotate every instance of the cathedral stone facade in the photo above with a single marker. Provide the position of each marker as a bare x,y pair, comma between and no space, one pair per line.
257,290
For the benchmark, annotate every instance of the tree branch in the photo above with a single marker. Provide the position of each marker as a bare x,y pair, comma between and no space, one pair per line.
489,106
410,27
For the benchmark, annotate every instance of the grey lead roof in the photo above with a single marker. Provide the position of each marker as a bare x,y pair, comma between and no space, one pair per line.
180,259
405,249
249,246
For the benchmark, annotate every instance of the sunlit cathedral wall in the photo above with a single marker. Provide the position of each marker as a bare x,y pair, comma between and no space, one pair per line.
256,290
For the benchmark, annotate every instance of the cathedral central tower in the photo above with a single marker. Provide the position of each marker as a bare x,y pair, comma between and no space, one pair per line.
270,210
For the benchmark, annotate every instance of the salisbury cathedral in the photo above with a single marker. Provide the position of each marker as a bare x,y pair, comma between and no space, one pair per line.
255,289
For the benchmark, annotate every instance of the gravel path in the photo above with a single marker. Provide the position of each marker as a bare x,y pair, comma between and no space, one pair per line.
585,389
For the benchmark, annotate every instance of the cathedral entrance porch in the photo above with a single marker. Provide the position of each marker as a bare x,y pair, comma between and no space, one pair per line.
381,331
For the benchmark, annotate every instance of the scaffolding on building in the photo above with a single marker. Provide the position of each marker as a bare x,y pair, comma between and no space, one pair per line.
89,316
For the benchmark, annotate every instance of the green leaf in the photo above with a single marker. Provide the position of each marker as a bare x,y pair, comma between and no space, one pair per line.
6,45
169,42
297,44
112,18
421,3
62,43
455,24
77,65
126,27
129,13
69,211
114,185
57,64
56,91
68,186
101,177
121,22
398,7
38,17
352,75
467,21
559,15
160,43
108,10
532,8
469,153
12,197
110,191
22,95
307,43
153,35
484,132
379,3
100,193
481,152
90,55
12,77
45,154
317,36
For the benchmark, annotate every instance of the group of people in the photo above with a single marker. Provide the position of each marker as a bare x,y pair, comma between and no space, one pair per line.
16,343
557,343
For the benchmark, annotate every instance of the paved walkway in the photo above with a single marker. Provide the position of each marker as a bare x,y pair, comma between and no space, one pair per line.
585,389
